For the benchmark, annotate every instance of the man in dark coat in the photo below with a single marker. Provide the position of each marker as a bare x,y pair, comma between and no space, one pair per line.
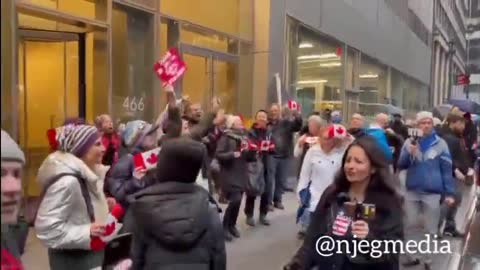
282,130
452,134
398,126
177,225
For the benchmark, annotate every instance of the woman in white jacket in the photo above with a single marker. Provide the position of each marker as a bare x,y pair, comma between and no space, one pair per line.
74,207
320,165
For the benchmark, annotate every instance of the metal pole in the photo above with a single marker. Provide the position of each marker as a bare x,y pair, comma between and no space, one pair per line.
467,90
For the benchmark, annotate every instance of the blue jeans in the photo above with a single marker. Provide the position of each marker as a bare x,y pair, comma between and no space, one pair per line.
305,220
277,174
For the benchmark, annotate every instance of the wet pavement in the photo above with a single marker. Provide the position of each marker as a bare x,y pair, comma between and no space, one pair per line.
471,259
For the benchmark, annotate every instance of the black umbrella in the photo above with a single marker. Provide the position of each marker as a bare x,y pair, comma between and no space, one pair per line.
442,110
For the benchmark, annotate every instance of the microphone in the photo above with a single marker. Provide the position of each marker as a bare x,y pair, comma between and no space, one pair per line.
342,198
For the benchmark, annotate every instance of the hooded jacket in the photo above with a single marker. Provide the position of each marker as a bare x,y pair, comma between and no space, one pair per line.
177,228
62,220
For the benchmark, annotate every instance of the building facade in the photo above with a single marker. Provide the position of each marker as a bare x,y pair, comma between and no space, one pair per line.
83,58
449,48
473,51
353,56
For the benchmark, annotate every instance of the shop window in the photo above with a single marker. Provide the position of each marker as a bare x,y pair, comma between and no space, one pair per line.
96,10
132,59
372,81
231,16
318,65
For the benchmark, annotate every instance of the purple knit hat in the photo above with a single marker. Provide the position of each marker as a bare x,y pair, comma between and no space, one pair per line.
77,139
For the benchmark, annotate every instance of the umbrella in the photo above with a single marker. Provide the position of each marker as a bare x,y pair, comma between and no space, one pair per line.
466,105
442,110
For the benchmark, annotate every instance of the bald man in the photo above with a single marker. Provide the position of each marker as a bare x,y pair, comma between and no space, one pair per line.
381,120
377,130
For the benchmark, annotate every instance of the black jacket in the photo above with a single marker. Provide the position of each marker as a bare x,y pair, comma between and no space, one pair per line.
387,225
122,183
357,132
233,171
282,135
177,228
400,129
458,151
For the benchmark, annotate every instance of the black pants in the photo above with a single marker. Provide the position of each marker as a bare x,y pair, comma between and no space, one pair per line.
250,204
452,210
231,213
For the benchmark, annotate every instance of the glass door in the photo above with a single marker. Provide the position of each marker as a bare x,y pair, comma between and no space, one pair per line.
210,73
225,83
197,79
48,93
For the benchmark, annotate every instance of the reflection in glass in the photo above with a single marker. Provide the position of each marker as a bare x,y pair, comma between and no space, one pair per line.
373,81
319,71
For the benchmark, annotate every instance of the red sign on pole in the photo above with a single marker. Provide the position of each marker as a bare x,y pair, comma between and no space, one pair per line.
170,67
463,79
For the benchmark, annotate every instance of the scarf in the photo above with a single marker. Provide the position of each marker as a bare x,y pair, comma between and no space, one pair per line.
427,141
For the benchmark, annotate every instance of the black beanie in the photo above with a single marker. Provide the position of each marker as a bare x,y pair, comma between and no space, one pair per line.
180,160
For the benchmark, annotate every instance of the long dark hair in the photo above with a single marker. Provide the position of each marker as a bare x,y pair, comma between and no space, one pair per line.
382,180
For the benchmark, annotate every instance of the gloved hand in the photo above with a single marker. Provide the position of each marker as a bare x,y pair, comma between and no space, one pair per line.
459,175
471,172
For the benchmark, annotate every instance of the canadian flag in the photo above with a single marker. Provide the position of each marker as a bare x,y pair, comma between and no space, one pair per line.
267,146
112,228
147,160
293,105
248,145
337,131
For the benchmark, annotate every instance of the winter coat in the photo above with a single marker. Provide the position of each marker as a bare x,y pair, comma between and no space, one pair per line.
121,181
233,171
177,228
319,171
63,222
381,138
387,225
357,132
458,151
282,135
395,141
430,171
10,258
400,129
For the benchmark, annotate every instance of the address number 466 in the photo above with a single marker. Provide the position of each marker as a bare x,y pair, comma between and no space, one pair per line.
133,104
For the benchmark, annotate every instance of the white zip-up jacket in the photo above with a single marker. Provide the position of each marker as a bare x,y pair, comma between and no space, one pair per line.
320,169
62,221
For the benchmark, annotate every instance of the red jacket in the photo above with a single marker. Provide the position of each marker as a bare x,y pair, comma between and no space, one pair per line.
111,142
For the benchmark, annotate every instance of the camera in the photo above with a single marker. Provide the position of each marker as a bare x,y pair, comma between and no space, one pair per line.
415,134
360,211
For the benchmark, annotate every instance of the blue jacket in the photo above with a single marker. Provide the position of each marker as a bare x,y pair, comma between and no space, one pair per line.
379,135
430,171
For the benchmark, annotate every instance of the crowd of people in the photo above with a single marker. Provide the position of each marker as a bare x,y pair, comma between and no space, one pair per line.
171,210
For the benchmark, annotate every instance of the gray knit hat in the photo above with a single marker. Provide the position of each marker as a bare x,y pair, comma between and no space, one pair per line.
10,149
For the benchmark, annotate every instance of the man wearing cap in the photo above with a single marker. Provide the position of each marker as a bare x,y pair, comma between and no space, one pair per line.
13,161
429,177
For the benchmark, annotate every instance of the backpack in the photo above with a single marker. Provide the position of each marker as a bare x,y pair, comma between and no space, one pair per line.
53,180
